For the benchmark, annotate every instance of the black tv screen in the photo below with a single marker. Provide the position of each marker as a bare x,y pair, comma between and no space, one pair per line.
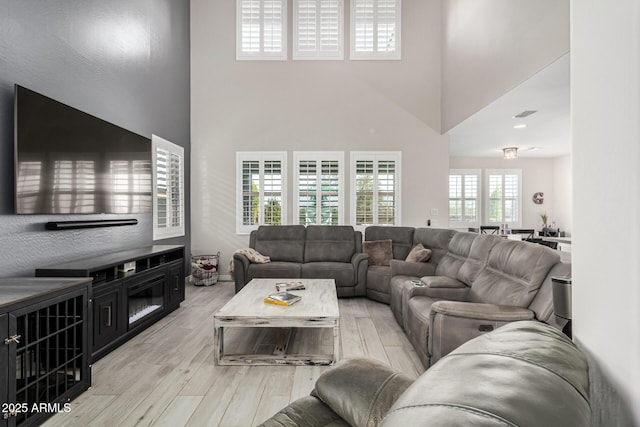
70,162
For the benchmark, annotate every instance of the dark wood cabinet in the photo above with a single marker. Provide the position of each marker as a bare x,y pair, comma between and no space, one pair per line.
132,290
45,327
108,322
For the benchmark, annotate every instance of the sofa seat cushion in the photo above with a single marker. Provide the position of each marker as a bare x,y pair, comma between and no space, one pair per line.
416,318
341,272
274,270
378,277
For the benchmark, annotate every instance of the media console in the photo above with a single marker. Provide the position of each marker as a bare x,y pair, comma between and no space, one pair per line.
131,290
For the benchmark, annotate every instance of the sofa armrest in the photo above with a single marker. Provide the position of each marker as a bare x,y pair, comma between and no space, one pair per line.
358,258
441,287
452,323
240,267
360,390
414,269
491,312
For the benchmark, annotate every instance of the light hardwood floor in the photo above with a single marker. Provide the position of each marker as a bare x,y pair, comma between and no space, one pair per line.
166,376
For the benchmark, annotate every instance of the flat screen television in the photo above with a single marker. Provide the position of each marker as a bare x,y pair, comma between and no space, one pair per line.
70,162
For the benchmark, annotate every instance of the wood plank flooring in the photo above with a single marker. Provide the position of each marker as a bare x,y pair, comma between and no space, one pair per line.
166,376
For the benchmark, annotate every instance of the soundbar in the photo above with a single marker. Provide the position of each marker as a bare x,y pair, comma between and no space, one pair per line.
70,225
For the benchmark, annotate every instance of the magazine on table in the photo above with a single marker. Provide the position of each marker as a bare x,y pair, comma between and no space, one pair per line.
291,285
282,298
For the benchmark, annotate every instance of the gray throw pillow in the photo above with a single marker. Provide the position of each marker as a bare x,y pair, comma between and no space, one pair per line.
419,254
380,251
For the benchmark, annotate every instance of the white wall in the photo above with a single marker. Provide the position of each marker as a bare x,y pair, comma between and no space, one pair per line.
605,98
538,174
311,105
492,46
561,194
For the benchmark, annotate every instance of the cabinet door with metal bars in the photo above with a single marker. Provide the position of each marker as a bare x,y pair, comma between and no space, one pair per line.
45,355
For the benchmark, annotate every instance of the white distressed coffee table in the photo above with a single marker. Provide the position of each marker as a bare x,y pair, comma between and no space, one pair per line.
318,308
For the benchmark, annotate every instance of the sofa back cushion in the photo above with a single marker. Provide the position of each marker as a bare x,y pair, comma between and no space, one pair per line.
514,272
279,242
435,239
456,255
401,237
477,258
332,243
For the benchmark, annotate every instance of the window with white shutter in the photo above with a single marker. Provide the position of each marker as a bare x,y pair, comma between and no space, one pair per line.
504,197
168,184
319,178
375,188
318,29
261,190
464,198
261,29
375,29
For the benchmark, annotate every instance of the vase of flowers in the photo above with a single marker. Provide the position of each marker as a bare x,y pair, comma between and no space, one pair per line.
544,218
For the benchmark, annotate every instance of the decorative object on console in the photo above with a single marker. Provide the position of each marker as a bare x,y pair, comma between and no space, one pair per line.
538,198
544,217
380,251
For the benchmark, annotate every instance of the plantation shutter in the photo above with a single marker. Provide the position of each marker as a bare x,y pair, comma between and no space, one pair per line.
261,29
261,190
376,178
504,197
318,29
375,29
168,195
319,178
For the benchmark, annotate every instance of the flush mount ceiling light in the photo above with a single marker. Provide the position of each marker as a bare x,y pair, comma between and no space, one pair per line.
510,152
520,126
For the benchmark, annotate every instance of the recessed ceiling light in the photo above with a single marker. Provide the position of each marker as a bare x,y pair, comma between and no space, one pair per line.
520,126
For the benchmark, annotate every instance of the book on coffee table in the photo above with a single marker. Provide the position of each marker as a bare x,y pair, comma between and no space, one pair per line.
290,285
282,298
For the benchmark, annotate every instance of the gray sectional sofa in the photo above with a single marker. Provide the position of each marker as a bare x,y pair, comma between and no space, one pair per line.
471,284
523,374
313,252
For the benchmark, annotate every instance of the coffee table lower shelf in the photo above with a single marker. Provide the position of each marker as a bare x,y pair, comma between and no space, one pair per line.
281,354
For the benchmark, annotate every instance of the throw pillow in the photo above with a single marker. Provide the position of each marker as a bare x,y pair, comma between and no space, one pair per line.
419,254
380,251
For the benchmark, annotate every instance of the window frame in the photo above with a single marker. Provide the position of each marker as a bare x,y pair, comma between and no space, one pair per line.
261,157
376,54
463,198
261,55
376,157
487,196
318,54
318,156
178,230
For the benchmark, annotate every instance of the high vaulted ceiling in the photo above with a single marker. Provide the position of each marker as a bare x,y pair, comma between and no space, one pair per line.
547,130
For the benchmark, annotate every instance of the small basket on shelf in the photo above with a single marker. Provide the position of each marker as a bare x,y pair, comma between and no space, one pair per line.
204,269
